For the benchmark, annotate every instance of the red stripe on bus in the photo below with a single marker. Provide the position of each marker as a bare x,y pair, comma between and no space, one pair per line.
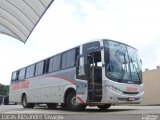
21,85
64,78
80,99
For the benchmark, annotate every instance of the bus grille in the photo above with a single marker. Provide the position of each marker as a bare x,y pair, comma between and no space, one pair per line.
130,93
127,99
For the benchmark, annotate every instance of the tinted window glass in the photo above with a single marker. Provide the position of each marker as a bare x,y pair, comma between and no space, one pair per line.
30,71
64,59
51,64
14,76
56,63
39,68
91,47
22,74
68,59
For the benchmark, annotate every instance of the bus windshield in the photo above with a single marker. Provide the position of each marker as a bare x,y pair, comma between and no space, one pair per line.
122,63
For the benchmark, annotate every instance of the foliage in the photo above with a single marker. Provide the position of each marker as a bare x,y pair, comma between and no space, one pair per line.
4,89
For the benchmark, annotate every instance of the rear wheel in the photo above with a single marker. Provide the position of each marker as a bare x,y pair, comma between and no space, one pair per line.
52,105
25,104
71,103
104,107
6,100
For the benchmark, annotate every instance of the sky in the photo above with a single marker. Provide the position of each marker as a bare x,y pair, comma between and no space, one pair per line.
68,23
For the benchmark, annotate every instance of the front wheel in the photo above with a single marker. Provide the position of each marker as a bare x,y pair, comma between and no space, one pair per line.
104,107
25,104
71,103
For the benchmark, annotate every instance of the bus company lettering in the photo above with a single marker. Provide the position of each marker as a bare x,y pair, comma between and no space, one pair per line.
131,89
21,85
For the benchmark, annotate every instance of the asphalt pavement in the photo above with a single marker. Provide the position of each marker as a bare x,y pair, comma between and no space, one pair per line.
17,112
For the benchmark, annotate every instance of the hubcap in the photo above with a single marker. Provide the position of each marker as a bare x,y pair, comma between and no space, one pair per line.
73,101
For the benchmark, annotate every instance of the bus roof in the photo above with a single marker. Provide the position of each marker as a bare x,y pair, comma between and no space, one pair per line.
94,40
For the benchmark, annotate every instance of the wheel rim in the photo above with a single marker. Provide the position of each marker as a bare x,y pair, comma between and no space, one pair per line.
73,101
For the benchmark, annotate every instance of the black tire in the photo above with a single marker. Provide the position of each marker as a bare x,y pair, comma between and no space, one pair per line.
6,100
25,104
104,107
63,106
71,103
52,105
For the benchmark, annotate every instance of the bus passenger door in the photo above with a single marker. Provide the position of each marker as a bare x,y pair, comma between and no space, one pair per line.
94,76
81,81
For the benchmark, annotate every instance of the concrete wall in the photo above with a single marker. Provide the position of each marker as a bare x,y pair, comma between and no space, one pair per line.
151,80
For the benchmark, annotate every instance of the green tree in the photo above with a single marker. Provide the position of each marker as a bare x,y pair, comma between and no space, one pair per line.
4,89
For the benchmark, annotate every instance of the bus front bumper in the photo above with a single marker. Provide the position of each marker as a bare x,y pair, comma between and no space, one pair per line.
118,97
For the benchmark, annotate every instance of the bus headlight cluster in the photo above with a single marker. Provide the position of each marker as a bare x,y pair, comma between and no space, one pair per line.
141,91
115,89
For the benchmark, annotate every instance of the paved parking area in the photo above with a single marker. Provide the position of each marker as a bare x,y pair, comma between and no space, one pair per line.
91,113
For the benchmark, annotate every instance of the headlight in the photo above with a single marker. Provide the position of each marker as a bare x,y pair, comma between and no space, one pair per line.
141,91
115,89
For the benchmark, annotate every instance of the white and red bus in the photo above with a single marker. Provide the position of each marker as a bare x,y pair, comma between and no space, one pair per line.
98,73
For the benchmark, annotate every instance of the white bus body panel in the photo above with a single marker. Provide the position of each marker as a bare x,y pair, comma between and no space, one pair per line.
113,92
49,88
81,91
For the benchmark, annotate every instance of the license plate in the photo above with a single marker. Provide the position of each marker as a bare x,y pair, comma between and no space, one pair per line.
131,98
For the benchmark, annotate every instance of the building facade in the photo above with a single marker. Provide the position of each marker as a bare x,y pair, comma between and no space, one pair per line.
151,79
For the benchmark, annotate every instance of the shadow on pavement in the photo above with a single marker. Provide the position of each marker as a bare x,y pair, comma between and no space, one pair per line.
88,109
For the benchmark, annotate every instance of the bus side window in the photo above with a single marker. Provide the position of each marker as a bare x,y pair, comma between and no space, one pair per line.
30,71
22,74
13,76
64,59
81,71
39,68
50,62
17,75
68,59
54,63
